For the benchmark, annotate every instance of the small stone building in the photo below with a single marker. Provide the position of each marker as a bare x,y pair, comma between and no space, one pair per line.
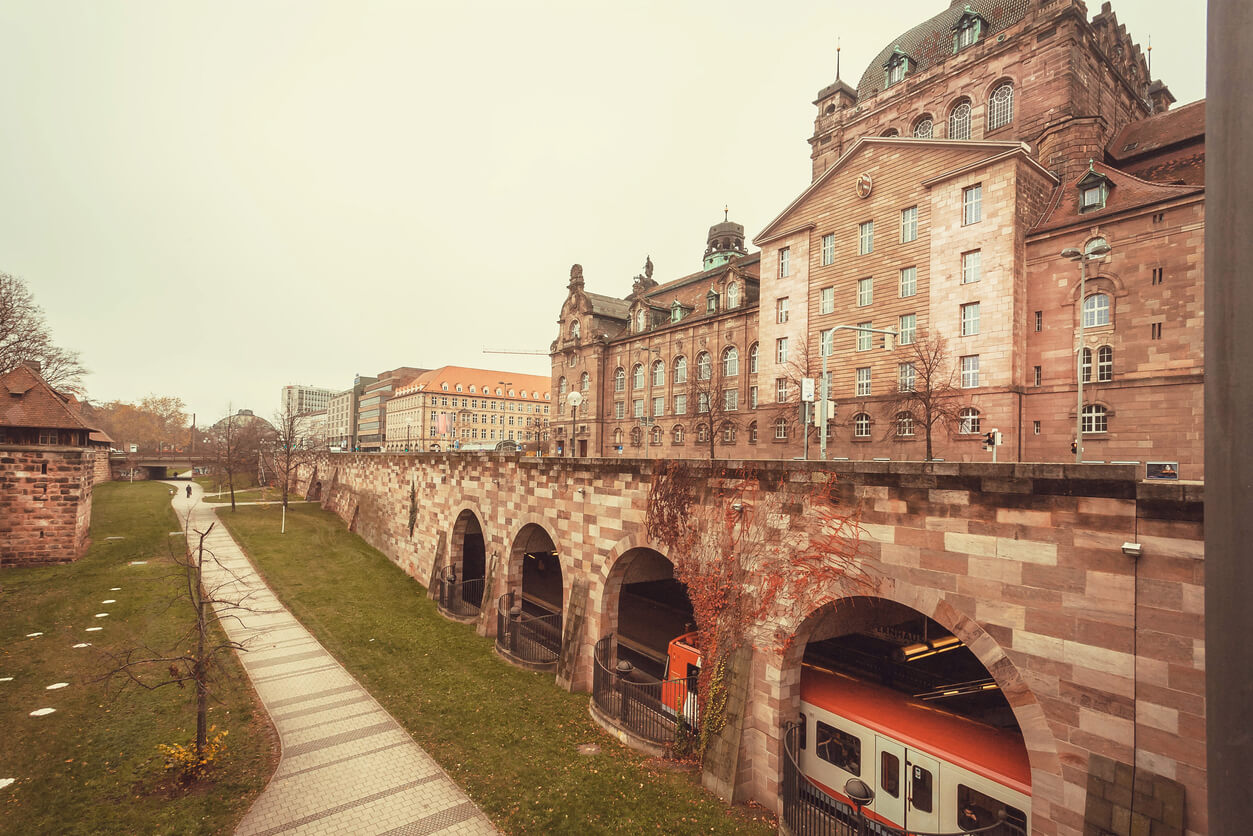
47,469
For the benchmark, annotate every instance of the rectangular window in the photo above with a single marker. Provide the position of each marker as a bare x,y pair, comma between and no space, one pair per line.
970,371
637,408
906,376
863,381
865,238
1156,333
890,768
828,249
1039,375
780,350
837,747
780,390
680,404
907,329
827,300
826,344
1157,275
909,281
702,402
921,791
970,266
659,406
731,399
865,292
970,319
752,397
865,339
972,204
909,224
979,810
1035,427
785,262
1039,320
780,310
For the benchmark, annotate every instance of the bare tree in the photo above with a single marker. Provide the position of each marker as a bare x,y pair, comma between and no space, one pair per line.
932,400
288,451
713,392
237,442
24,335
209,605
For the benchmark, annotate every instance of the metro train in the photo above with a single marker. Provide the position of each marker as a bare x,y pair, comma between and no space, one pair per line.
930,770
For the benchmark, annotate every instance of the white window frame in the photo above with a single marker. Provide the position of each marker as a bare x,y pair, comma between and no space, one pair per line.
908,282
780,429
904,424
970,319
970,371
968,421
704,366
909,224
906,329
959,121
828,249
972,266
1097,310
1001,106
1095,419
730,361
780,350
731,400
865,338
781,310
826,300
680,369
861,425
972,204
863,382
680,404
865,291
906,377
659,373
865,238
785,262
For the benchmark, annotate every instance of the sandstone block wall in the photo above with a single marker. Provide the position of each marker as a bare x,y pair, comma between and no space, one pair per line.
45,504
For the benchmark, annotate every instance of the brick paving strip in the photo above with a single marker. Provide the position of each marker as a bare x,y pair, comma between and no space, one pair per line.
347,766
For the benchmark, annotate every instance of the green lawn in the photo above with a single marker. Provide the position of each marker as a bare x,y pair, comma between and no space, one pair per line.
509,737
254,495
93,766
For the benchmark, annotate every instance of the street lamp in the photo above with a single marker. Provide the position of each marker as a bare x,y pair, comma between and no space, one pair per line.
1094,253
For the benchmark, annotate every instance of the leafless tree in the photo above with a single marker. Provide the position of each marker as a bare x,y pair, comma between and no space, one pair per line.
24,335
237,442
933,401
713,392
288,450
211,605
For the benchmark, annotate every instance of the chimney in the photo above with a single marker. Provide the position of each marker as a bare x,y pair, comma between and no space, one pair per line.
33,365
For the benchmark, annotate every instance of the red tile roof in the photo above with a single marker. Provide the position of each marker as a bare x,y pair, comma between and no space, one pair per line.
1127,192
1145,136
26,400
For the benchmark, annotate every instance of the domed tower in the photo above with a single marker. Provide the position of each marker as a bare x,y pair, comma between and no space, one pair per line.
726,240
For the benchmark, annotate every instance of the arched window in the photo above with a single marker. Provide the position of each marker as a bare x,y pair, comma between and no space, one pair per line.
1095,419
861,425
733,295
904,424
680,369
677,433
730,361
924,128
1104,364
562,388
656,434
637,376
641,320
959,121
780,429
574,330
619,379
617,437
1096,310
968,421
752,359
1094,243
585,382
728,433
637,437
702,434
1001,106
891,132
752,433
659,373
704,366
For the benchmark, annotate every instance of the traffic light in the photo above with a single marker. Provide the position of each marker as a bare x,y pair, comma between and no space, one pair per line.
1074,447
989,440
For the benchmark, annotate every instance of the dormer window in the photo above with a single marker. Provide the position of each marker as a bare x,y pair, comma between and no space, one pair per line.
968,30
733,295
676,311
1094,190
641,321
711,302
898,66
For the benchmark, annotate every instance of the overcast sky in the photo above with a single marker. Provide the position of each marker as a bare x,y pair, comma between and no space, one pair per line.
215,199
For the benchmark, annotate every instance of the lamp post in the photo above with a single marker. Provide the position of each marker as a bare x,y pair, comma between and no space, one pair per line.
1092,254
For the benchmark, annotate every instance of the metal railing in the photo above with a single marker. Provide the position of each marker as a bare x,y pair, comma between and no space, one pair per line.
656,710
533,639
463,598
809,811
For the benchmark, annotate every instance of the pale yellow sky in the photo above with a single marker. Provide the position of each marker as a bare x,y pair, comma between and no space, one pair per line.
213,200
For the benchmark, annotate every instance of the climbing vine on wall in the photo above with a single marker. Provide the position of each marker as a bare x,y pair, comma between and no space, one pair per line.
745,550
413,507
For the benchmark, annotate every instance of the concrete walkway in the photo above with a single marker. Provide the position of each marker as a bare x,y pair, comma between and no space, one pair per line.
347,766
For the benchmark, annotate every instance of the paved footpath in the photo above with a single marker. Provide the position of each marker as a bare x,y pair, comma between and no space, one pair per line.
347,766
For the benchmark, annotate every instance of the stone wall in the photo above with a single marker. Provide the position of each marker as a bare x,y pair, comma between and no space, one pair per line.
45,504
1098,653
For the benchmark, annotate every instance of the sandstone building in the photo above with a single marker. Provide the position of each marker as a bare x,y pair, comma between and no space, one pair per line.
458,408
926,256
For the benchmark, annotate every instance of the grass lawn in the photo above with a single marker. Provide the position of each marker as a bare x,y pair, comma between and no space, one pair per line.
93,766
254,495
509,737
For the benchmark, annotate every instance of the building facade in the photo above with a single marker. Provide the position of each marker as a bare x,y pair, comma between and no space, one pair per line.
1004,209
458,408
299,399
371,418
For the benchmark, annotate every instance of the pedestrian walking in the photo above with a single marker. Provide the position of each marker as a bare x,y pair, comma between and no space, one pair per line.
189,491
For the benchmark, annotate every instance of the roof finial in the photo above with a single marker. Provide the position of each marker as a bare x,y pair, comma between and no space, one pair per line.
1150,56
726,212
1091,164
837,58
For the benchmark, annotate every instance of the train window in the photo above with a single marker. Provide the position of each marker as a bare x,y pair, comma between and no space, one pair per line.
974,809
920,790
890,774
838,747
804,731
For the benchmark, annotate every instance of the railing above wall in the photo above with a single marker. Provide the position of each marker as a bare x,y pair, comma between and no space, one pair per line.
658,711
462,599
532,640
